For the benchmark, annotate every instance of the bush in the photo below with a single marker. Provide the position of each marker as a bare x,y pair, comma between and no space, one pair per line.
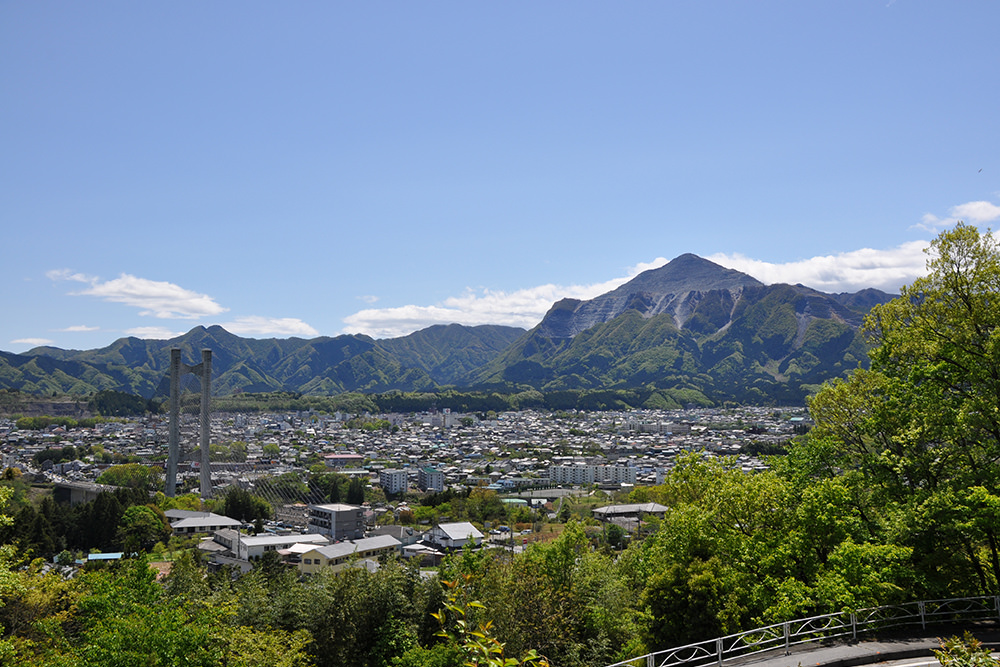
964,651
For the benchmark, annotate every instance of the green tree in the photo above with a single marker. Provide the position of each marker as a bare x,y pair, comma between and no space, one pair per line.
484,505
244,506
964,651
111,403
134,475
355,492
921,427
141,527
476,642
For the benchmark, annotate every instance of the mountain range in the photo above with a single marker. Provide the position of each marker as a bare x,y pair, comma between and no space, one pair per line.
690,326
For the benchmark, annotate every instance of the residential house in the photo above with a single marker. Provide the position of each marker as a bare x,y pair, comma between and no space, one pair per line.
454,535
405,534
628,516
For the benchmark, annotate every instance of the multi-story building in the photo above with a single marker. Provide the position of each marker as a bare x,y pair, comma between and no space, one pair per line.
337,521
430,479
343,460
592,474
394,480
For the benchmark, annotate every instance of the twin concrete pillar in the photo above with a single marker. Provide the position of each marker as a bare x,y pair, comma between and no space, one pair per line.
203,371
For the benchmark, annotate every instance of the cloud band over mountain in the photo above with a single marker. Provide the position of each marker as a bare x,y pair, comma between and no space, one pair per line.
887,270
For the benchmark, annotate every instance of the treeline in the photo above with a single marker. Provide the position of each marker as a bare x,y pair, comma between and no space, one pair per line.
52,527
45,421
482,402
110,403
477,402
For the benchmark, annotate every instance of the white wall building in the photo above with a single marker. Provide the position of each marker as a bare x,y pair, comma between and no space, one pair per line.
253,547
430,479
394,480
189,522
592,474
454,535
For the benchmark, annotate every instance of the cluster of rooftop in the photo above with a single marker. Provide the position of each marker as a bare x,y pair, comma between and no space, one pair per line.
420,451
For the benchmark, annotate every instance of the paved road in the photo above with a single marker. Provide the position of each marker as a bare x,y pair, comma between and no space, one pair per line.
899,651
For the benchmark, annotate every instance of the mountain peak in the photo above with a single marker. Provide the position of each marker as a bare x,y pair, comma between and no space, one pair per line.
674,288
688,272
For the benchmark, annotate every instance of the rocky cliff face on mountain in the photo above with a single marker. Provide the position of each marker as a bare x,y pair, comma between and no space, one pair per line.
689,331
696,325
675,288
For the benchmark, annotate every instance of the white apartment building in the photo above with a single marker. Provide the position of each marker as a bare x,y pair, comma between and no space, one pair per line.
394,480
430,479
592,474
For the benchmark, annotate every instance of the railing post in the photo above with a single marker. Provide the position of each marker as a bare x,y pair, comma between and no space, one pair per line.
718,649
996,605
854,626
786,630
923,615
650,661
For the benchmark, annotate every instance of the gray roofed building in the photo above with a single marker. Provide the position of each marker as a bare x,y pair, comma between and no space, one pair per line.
253,547
405,534
189,522
633,511
454,535
342,554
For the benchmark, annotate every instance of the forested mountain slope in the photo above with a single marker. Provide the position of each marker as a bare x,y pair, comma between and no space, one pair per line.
689,327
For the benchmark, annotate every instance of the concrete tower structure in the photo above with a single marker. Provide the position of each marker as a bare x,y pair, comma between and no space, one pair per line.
203,371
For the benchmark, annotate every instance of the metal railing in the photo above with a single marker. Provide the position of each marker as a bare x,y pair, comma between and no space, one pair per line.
820,628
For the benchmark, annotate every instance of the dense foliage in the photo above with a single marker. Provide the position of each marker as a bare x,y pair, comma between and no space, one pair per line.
110,403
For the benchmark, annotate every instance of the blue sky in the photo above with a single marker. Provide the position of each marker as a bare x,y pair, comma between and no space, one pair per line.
323,168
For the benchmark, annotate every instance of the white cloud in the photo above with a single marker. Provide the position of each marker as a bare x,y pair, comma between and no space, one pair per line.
887,270
153,333
269,326
973,212
67,274
521,308
368,298
79,328
34,342
153,297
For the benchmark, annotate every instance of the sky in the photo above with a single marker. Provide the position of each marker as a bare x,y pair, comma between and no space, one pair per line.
312,169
